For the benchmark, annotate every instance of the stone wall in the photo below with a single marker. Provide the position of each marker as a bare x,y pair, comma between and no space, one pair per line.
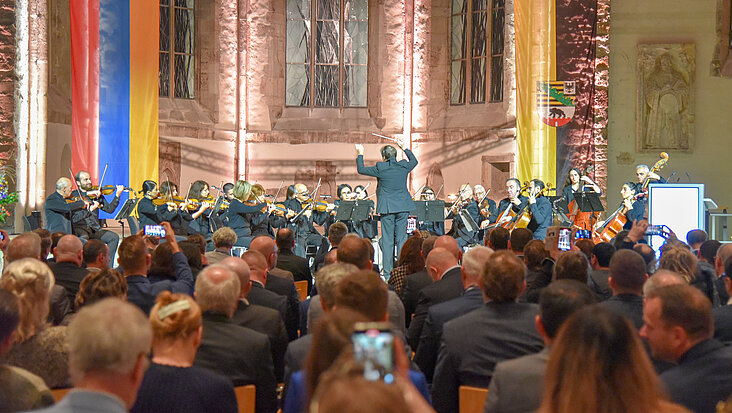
7,80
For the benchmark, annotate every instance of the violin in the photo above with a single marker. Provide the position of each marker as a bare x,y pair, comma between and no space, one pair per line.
105,190
72,199
193,203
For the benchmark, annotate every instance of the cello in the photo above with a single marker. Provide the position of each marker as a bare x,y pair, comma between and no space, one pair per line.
580,219
525,216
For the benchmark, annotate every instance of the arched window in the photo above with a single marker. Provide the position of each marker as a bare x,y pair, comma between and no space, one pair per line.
177,53
476,44
327,66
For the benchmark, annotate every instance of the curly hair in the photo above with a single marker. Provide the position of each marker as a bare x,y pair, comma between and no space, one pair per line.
31,281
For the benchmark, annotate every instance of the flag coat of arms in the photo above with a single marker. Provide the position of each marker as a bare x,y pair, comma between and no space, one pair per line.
555,102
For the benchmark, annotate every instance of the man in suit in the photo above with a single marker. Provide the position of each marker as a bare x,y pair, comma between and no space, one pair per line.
472,298
86,221
393,200
67,269
600,262
723,314
58,211
416,282
515,201
518,240
281,285
627,275
96,255
258,318
223,239
443,268
108,367
336,232
679,328
258,294
239,353
288,261
502,329
517,384
541,210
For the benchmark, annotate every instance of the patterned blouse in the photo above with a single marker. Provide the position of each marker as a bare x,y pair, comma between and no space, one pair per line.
398,278
45,354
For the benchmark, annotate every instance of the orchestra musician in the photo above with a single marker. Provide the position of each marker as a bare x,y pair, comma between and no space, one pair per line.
60,205
515,201
634,207
345,193
643,172
541,210
365,228
179,217
434,228
239,212
298,198
576,182
261,221
393,200
486,207
85,222
200,193
459,230
148,212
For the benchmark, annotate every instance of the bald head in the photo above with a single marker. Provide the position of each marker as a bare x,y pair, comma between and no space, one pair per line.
217,289
474,262
257,266
26,245
265,246
449,243
439,260
662,278
285,239
239,267
69,249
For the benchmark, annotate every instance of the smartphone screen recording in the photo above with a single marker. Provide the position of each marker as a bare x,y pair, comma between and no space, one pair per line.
373,345
155,231
564,243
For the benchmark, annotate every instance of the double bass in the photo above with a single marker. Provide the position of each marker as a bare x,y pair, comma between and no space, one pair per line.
580,219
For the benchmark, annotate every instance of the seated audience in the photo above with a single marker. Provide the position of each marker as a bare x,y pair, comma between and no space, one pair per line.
67,269
95,255
539,270
498,239
598,364
572,265
500,330
172,383
161,266
723,315
192,251
45,242
336,232
517,384
241,354
695,238
287,260
223,239
679,328
20,390
99,285
410,261
585,246
600,262
678,258
518,240
414,283
38,348
108,368
661,278
627,275
649,256
705,269
258,294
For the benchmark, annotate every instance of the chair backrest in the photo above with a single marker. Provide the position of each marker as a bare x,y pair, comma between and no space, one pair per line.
472,399
59,394
133,224
245,397
302,289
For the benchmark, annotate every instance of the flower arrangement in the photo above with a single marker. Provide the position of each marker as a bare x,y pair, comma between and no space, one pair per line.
7,174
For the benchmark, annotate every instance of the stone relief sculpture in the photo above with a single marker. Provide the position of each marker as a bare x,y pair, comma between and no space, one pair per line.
665,118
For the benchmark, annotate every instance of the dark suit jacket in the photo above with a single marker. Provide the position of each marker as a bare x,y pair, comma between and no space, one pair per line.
723,324
541,217
472,345
69,276
286,287
58,213
517,384
297,265
448,287
504,204
241,354
410,293
392,194
295,357
268,322
142,293
627,305
702,378
437,316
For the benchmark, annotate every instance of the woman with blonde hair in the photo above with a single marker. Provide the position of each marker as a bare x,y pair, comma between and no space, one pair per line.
172,384
39,348
678,258
240,211
598,364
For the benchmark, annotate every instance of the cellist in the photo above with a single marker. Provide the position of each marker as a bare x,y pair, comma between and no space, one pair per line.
515,201
576,182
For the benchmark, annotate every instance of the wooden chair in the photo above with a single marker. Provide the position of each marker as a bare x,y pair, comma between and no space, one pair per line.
472,399
302,289
59,394
245,397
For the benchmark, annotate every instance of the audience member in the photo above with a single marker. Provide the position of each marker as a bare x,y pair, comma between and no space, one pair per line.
410,261
108,368
258,294
627,275
38,348
679,329
95,254
414,283
724,252
649,256
67,269
539,270
500,330
192,251
134,258
265,320
705,270
572,265
172,383
437,315
517,384
98,285
336,232
600,262
661,278
449,243
695,238
600,344
287,260
161,266
443,268
20,390
241,354
678,258
498,238
723,314
223,239
518,240
45,242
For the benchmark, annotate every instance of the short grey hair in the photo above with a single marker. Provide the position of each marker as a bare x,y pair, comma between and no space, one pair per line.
62,183
217,295
224,237
662,278
642,166
328,277
475,259
109,336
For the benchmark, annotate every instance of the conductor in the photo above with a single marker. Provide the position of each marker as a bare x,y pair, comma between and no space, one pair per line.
393,200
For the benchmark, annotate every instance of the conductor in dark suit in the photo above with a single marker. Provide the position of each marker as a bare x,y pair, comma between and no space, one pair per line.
393,201
58,211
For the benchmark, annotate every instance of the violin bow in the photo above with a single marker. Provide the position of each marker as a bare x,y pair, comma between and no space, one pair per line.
78,190
102,180
278,190
439,190
417,191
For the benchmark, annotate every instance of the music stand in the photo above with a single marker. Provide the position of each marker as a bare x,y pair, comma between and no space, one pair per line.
588,201
429,211
355,211
125,212
560,208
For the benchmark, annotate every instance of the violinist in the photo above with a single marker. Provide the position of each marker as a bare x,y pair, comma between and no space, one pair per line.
239,213
486,207
434,228
514,203
86,221
261,220
149,212
60,205
368,228
345,193
464,203
199,204
541,209
179,217
298,198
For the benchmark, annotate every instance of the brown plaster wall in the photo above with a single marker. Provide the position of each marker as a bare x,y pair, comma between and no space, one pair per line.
7,80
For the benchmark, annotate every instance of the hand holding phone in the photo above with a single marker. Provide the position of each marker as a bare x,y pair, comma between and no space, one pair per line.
155,231
373,346
564,242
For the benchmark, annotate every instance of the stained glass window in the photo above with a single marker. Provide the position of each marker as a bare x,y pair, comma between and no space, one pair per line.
476,50
326,67
177,49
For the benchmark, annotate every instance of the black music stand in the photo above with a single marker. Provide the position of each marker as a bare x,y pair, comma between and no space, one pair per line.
588,201
355,211
429,211
125,212
560,208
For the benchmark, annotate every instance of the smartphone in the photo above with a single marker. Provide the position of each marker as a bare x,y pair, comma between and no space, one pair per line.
155,230
2,237
238,251
583,234
564,241
411,225
654,230
373,346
